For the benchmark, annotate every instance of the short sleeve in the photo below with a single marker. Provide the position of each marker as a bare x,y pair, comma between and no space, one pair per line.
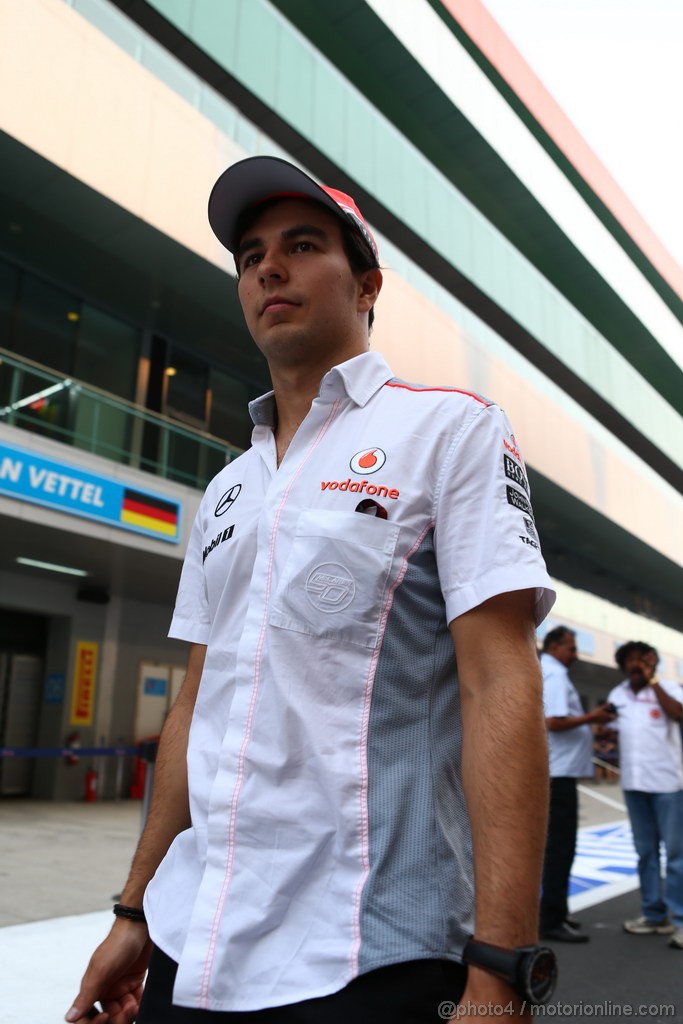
485,534
192,619
555,695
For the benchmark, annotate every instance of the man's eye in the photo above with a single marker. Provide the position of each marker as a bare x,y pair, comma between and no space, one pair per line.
251,260
303,246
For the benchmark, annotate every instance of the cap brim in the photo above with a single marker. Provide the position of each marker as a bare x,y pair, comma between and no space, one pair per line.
253,181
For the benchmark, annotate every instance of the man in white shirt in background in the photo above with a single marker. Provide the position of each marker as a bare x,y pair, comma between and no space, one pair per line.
649,713
570,743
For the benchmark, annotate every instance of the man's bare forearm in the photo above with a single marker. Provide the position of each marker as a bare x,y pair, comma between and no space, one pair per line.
169,812
505,766
669,704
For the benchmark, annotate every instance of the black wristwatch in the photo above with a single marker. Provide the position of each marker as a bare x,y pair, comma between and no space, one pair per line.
530,970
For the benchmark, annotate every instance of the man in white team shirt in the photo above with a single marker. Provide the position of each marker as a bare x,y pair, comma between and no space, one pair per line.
344,781
648,715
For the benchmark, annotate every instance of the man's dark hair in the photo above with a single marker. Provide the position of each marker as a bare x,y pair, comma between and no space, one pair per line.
556,636
358,251
361,258
632,647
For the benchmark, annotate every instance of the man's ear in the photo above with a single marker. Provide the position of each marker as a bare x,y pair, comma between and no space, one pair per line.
370,287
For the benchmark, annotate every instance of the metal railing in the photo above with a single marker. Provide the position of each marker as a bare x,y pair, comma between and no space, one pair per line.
49,403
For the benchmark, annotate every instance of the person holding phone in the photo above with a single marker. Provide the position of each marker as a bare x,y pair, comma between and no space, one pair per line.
570,741
649,712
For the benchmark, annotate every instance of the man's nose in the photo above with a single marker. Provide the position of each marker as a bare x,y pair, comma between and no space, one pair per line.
272,266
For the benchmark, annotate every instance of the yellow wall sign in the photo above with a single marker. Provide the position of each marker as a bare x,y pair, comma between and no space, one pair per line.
85,674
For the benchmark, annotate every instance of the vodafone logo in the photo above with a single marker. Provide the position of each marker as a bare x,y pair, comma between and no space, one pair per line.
655,713
369,460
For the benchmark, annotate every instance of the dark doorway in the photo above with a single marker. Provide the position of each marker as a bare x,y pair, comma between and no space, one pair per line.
23,639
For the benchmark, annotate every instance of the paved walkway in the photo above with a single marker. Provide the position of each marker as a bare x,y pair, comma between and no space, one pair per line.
62,864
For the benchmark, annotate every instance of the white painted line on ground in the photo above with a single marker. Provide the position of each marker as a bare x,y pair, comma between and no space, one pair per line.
603,853
42,965
591,898
603,799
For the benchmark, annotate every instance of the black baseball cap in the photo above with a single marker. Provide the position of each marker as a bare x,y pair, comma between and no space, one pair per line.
257,179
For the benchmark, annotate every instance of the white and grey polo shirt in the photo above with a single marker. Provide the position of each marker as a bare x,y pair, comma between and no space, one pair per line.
330,834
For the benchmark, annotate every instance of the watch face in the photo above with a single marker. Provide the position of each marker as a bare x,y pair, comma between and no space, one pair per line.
541,975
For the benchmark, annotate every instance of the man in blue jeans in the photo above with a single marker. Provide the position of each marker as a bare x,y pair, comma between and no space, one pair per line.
648,716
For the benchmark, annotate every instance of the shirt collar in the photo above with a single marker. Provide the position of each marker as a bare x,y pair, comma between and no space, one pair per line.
262,410
359,378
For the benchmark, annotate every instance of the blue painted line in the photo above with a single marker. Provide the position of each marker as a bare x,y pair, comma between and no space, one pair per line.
577,884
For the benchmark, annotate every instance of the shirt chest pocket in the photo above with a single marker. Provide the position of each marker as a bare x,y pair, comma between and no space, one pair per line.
335,580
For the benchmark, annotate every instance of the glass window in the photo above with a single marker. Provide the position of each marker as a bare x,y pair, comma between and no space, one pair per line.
107,352
46,324
9,285
229,417
187,383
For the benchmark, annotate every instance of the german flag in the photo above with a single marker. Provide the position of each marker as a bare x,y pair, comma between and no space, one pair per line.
149,513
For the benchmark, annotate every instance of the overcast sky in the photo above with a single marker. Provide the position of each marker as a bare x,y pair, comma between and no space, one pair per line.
616,69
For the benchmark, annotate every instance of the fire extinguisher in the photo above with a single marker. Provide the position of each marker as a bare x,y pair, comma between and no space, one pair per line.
90,786
73,743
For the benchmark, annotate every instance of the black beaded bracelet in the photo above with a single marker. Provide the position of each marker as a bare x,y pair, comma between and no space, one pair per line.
132,913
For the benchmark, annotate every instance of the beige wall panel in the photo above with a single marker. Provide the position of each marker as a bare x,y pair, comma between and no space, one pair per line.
423,344
613,625
420,342
39,71
110,137
73,96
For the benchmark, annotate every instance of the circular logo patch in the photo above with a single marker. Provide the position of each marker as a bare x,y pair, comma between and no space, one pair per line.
330,587
228,499
655,713
368,461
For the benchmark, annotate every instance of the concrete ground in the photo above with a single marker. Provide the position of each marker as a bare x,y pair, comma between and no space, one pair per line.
59,859
61,865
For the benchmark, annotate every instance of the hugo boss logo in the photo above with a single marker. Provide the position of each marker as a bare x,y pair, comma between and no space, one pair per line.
228,500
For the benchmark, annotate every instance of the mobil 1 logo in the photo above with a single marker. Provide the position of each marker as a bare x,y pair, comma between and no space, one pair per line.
220,538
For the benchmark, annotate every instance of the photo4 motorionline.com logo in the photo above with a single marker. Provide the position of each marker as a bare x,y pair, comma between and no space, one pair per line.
605,1010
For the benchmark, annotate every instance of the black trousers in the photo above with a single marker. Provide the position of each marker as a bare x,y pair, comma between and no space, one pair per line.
559,851
407,993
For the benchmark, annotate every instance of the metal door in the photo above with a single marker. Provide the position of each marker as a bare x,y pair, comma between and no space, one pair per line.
21,677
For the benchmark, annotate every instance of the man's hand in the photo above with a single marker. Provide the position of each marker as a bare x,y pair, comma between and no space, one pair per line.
669,705
115,976
600,716
117,969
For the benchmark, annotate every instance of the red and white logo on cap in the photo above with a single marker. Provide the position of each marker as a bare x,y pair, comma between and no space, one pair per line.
369,460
